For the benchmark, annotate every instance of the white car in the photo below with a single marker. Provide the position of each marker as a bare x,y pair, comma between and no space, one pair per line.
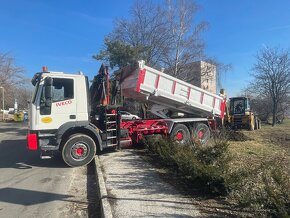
128,116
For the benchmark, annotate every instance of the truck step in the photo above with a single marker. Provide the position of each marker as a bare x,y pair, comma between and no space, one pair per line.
46,135
111,122
125,141
110,130
112,137
43,157
49,148
111,145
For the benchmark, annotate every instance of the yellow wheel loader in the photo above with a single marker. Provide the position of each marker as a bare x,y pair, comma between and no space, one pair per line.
240,115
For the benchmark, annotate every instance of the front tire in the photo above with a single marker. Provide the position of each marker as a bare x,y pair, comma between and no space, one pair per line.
78,150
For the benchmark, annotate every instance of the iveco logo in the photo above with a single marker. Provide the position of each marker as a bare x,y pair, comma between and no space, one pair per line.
63,103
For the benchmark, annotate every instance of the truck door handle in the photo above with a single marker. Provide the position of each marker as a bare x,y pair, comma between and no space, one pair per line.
72,116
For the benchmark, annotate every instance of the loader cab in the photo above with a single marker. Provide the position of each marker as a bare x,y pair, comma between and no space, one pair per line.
59,99
239,105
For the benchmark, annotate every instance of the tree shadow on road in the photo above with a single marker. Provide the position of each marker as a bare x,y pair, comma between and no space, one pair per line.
29,197
14,154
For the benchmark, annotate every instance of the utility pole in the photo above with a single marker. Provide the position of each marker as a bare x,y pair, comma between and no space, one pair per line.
1,87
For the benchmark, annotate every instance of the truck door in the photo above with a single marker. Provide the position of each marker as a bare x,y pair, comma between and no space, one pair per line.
57,103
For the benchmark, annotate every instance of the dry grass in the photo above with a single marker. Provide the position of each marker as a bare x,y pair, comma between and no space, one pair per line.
262,144
261,169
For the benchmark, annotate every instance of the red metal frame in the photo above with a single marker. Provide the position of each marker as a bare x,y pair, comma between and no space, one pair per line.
188,93
138,128
212,123
223,108
173,87
157,81
140,80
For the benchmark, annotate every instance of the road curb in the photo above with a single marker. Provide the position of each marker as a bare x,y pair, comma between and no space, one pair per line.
106,211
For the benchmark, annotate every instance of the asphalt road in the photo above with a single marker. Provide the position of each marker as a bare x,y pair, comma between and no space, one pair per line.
32,187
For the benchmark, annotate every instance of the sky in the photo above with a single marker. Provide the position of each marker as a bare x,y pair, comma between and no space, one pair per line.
64,34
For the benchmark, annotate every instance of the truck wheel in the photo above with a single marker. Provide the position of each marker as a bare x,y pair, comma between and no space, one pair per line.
180,134
259,124
252,126
201,133
256,123
79,150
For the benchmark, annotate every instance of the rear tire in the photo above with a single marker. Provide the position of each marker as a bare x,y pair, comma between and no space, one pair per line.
180,134
78,150
200,132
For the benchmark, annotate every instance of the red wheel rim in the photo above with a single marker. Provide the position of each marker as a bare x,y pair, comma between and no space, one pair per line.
179,136
79,151
200,134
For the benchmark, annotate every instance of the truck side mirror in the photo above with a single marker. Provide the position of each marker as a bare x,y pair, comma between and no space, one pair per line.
48,88
48,81
48,92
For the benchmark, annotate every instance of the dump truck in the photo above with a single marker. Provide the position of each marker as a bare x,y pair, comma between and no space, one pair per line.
67,115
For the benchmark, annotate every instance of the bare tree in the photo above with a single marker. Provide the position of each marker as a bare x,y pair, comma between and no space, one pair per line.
11,78
271,74
283,109
146,31
221,69
185,44
164,35
9,72
263,107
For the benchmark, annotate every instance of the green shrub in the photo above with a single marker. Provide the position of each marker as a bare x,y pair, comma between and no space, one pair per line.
263,186
200,164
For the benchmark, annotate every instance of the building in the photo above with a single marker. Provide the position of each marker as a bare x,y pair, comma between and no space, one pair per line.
200,73
204,75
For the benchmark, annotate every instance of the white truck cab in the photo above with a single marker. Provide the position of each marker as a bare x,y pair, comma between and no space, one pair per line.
58,99
59,115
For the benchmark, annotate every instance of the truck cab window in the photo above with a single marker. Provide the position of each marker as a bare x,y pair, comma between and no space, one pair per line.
63,89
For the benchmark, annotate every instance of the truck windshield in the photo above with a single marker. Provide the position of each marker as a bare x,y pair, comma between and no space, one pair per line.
237,106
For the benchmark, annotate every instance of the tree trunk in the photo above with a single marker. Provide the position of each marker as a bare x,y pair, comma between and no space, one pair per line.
274,119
